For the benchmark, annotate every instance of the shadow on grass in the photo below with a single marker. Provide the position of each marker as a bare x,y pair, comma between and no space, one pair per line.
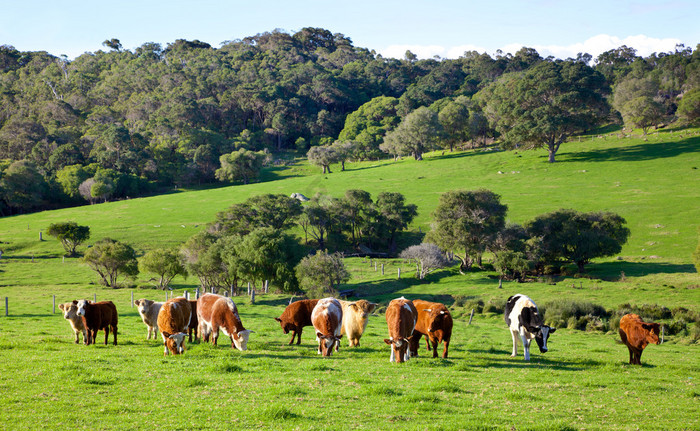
640,152
638,269
535,360
381,290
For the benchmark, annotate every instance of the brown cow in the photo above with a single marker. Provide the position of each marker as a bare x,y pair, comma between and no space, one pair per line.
296,316
327,318
96,316
216,312
70,313
401,318
355,316
194,322
637,334
173,321
435,322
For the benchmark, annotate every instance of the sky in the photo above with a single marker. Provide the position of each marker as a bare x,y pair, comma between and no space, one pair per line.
445,28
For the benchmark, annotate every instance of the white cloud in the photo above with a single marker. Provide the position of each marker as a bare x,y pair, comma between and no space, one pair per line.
595,46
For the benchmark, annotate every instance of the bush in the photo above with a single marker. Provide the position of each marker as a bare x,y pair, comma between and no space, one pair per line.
494,306
647,312
574,314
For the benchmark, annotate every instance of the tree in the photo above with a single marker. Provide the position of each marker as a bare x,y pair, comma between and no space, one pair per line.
369,123
22,187
268,254
204,260
467,221
428,258
276,211
577,237
110,258
455,121
546,104
643,112
394,215
242,165
70,234
320,274
344,151
689,107
113,43
323,157
510,264
317,219
166,264
70,178
419,132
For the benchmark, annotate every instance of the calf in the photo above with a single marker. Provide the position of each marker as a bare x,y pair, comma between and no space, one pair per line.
401,316
435,322
96,316
194,322
149,314
216,312
355,316
524,320
70,313
173,322
296,316
636,335
327,318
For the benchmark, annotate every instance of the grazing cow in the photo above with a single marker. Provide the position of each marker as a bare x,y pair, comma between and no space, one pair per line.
435,322
70,313
355,316
216,312
194,322
173,322
96,316
327,318
401,316
296,316
149,314
524,320
637,334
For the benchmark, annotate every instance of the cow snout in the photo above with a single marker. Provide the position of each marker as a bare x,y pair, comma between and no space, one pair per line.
543,349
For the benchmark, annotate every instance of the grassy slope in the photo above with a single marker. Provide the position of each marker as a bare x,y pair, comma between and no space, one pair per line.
582,382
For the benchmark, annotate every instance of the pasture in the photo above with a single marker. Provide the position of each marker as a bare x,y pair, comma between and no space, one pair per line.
583,382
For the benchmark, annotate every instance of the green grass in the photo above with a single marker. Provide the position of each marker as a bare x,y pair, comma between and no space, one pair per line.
583,382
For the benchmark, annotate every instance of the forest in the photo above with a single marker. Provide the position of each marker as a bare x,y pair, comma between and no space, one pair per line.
118,123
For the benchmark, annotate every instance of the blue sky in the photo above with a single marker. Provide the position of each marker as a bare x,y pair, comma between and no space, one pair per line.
553,27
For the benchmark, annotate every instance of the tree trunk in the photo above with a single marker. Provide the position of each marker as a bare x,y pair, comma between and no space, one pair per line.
580,265
342,166
551,156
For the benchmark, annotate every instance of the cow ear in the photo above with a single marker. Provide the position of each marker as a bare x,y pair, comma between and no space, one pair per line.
372,307
648,326
319,335
278,319
75,302
551,330
60,306
387,341
355,306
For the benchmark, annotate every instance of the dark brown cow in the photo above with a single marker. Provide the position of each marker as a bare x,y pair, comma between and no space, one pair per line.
296,316
435,322
96,316
401,318
636,334
194,322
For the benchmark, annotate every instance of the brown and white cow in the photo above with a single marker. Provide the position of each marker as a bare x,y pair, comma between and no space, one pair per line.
97,316
355,317
296,316
194,322
173,322
70,313
636,334
216,312
327,318
149,314
435,322
401,316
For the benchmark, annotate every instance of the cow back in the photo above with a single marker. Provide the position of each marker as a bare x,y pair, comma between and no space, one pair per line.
174,316
433,317
298,313
327,317
99,315
637,333
401,316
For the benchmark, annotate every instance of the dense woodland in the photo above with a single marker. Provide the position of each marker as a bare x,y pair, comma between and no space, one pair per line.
120,123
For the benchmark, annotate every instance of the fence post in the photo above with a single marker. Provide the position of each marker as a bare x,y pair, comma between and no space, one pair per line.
382,269
196,293
252,296
132,299
6,306
249,288
375,266
54,304
95,298
187,295
399,277
267,286
470,316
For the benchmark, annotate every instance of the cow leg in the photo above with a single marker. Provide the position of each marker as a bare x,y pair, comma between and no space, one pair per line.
435,345
106,334
444,352
526,347
114,331
638,358
631,354
414,343
514,335
77,337
294,334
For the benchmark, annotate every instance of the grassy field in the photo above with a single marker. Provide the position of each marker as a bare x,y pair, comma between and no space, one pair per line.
583,382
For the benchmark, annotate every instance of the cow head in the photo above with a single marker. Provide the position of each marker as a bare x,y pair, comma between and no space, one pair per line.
81,305
70,311
363,308
436,318
399,349
286,325
328,342
143,305
240,339
175,343
541,336
652,332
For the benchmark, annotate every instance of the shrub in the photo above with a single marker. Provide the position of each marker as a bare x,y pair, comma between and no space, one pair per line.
574,314
494,306
645,311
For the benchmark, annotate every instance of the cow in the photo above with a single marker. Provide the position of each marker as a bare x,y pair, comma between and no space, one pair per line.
296,316
327,319
401,316
70,313
524,320
355,316
173,322
96,316
435,322
149,314
194,322
216,312
636,334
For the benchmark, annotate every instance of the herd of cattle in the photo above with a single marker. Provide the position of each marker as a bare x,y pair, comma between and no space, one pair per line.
407,321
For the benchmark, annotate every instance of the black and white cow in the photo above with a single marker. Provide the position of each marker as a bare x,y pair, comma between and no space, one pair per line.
524,321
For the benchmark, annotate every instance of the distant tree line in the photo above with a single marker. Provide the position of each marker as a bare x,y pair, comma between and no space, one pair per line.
120,123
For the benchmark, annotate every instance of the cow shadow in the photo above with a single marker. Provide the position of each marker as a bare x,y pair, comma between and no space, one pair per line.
506,361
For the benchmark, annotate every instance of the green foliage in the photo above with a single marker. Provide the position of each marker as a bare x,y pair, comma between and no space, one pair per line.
242,165
111,258
689,107
511,264
319,275
266,210
368,125
22,188
642,112
419,132
70,234
165,263
575,314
